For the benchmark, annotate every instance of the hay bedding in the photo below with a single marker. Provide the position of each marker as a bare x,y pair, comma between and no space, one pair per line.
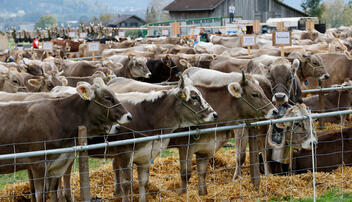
164,182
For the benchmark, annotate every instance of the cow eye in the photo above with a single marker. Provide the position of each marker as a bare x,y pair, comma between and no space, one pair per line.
255,95
15,81
108,98
194,97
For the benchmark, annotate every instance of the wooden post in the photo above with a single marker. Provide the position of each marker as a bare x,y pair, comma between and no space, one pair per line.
281,27
249,50
321,105
148,32
93,56
254,158
83,165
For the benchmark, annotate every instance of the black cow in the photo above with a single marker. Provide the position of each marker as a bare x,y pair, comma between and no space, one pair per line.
163,69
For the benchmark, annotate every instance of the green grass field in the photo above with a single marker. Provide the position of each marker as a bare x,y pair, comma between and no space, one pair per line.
329,196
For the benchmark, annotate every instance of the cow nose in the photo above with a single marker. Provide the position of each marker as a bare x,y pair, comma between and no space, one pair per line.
149,75
275,112
215,115
326,76
129,117
280,96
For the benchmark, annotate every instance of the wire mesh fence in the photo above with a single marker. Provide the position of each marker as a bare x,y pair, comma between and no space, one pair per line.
193,169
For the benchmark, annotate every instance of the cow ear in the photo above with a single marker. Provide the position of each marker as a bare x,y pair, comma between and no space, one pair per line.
63,81
235,89
348,55
85,91
22,68
214,56
35,82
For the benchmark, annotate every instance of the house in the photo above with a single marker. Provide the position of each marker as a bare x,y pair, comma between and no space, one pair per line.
246,9
125,21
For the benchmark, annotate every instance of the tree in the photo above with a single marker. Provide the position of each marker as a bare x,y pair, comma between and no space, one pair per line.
155,12
46,21
313,7
337,14
105,17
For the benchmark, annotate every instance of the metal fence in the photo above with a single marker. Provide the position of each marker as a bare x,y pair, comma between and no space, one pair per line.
164,180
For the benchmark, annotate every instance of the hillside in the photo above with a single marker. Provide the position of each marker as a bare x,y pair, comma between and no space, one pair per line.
19,11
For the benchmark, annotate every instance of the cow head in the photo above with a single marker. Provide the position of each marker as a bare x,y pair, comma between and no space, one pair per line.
191,106
312,66
296,133
254,102
170,66
12,82
285,84
103,106
44,83
31,67
137,66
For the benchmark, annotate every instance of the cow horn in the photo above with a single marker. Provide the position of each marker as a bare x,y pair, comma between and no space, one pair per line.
243,77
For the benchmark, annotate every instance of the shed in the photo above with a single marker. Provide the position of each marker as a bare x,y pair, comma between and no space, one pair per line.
4,41
246,9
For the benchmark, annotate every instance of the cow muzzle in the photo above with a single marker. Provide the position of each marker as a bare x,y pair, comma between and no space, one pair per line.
324,77
309,143
148,75
126,118
280,98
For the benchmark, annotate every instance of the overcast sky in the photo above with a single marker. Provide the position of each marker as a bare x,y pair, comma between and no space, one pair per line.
294,3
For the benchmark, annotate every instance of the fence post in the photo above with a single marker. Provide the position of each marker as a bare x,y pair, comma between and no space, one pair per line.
83,165
254,158
321,105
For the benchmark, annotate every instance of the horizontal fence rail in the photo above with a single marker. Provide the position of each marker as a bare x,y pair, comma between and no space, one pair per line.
319,90
166,136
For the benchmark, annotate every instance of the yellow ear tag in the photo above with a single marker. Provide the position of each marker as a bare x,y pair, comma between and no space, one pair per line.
237,95
85,96
22,70
183,96
107,74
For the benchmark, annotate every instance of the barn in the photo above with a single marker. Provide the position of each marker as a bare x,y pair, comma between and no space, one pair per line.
125,21
245,9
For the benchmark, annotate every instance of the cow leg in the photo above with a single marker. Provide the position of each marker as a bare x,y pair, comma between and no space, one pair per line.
185,166
124,165
202,165
31,185
240,152
53,188
38,181
117,187
143,177
67,195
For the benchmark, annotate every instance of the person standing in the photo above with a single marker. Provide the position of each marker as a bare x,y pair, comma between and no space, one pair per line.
232,12
204,37
8,57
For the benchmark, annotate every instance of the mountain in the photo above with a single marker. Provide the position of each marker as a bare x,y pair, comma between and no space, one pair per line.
29,11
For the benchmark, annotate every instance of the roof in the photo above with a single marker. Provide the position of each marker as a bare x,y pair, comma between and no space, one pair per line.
289,7
120,18
289,22
206,5
193,5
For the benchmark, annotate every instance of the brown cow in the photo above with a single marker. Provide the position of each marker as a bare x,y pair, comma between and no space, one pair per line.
332,151
334,101
93,100
228,64
84,69
12,82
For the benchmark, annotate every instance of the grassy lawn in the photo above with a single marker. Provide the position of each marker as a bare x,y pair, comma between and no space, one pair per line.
22,176
332,195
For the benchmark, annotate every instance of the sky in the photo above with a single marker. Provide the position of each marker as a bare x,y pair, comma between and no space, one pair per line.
297,3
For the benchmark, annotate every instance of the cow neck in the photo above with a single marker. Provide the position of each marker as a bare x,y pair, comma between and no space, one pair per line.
72,112
124,71
300,71
227,108
160,114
